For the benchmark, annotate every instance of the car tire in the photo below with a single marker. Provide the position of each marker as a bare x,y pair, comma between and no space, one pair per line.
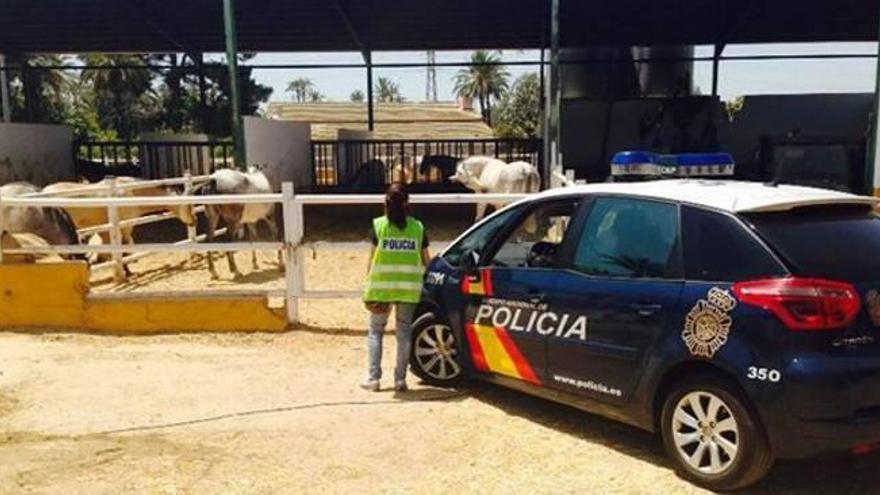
436,353
707,414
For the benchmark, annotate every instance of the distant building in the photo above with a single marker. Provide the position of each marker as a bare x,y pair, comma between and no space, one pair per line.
432,120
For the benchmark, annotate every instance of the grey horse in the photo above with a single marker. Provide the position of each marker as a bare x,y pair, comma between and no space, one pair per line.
52,224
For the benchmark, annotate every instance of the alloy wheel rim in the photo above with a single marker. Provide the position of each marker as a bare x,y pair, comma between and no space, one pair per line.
436,352
705,432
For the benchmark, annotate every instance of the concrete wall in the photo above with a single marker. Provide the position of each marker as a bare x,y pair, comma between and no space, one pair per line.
283,147
36,153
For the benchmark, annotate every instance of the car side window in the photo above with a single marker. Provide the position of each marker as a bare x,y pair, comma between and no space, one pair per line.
717,248
626,237
478,239
534,242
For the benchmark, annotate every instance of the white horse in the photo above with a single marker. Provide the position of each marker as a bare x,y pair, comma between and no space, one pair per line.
239,217
484,174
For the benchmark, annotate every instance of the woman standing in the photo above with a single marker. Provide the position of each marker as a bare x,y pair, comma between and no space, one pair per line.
396,267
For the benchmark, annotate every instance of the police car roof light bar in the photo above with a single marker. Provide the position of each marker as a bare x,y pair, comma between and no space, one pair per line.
652,165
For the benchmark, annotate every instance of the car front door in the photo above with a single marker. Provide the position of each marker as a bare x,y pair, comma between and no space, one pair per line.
511,291
621,285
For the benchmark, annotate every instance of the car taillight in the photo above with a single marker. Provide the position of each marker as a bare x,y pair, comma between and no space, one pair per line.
803,303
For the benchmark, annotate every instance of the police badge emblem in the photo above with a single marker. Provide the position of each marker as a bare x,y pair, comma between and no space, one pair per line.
872,303
707,325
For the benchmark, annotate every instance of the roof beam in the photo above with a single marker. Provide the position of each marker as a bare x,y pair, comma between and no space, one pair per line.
355,37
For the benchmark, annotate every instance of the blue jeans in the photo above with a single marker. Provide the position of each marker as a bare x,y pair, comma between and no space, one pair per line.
403,313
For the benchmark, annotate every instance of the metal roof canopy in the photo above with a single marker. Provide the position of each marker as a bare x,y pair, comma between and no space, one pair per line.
76,26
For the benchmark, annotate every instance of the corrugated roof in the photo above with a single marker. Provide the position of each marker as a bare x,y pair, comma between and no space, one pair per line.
442,120
65,26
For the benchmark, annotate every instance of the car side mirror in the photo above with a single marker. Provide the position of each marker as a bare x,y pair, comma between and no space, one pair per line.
470,261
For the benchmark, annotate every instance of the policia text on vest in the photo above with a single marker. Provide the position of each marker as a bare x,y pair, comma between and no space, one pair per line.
397,269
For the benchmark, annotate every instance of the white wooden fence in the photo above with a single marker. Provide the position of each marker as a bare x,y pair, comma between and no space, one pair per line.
294,228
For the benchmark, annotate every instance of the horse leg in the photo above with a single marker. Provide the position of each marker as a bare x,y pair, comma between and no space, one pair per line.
252,236
127,239
235,232
213,220
481,211
273,232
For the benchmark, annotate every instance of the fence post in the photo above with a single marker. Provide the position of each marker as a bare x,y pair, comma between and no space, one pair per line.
191,233
2,219
294,273
115,235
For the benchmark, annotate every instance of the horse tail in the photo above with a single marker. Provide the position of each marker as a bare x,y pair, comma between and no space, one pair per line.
62,219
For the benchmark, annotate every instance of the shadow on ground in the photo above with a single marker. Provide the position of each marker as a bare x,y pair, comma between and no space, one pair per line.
830,474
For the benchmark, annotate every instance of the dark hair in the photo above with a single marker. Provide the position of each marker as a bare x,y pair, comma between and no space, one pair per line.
397,205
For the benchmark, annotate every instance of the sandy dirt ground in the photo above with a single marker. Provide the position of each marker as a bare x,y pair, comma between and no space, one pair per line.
256,413
325,270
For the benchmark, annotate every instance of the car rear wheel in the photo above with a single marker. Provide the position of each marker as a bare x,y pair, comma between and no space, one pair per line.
712,436
435,356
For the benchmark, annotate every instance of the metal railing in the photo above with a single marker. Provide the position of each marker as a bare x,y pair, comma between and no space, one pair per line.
150,160
335,164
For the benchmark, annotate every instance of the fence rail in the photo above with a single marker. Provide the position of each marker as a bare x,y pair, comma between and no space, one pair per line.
294,228
150,160
335,164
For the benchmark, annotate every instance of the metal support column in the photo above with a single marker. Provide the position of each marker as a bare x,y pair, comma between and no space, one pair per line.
27,89
371,117
552,143
203,89
716,61
235,89
872,167
5,110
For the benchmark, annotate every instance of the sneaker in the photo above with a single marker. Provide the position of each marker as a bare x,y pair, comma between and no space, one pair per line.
400,386
370,385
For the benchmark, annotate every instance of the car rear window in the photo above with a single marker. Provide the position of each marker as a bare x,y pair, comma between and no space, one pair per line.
834,242
719,248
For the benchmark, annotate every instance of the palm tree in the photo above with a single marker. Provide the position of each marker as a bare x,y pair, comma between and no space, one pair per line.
357,96
302,89
387,91
485,79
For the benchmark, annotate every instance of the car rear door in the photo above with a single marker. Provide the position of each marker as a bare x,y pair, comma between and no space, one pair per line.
510,292
618,294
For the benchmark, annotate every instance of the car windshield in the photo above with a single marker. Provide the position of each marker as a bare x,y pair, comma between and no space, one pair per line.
834,242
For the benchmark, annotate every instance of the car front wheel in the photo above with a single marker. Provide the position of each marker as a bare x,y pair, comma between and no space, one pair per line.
435,356
712,436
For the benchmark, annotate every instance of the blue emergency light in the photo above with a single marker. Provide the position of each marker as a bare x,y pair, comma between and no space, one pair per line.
645,165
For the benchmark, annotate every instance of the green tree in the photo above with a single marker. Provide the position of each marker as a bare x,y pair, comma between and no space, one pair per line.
301,89
485,79
315,96
124,96
218,102
519,112
38,92
387,91
357,96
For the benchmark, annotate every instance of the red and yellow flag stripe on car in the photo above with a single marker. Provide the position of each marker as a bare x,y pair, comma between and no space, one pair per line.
493,350
478,285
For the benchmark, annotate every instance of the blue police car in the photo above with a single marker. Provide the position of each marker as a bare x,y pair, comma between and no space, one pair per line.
741,320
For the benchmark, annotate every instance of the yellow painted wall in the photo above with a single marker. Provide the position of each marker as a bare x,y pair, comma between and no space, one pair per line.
55,296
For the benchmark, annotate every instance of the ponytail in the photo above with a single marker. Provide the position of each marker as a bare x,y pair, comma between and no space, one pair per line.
396,205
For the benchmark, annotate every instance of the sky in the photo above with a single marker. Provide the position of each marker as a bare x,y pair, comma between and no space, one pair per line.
736,77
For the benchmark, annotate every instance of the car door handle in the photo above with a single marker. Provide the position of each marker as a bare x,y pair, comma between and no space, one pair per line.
645,309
